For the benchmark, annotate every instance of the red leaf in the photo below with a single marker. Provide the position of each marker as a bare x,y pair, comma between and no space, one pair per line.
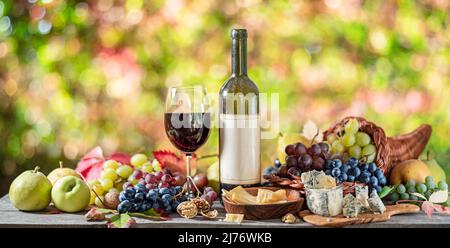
94,215
120,157
90,166
429,208
168,159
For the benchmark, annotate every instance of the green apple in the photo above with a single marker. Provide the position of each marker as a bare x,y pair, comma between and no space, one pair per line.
71,194
212,173
437,172
30,191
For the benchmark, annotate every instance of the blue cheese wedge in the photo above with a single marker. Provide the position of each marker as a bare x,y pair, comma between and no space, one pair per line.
362,196
375,203
318,180
325,202
350,208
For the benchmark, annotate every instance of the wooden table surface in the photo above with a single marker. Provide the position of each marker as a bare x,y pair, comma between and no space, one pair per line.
11,217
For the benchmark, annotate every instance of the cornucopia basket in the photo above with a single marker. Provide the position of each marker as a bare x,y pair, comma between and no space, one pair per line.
390,150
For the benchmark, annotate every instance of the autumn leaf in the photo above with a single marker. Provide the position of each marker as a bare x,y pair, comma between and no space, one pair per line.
170,160
95,215
91,164
429,207
121,221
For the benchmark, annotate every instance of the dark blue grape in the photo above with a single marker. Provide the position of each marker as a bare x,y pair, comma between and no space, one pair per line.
373,181
382,181
139,197
365,174
364,179
364,167
345,168
156,205
167,197
122,196
373,167
336,172
355,172
151,195
351,178
163,191
172,191
179,188
377,188
175,204
343,177
353,162
277,163
337,163
168,209
124,206
379,173
164,203
328,172
329,164
130,192
140,187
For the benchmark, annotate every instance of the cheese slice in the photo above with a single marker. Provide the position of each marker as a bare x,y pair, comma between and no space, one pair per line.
269,196
234,218
240,195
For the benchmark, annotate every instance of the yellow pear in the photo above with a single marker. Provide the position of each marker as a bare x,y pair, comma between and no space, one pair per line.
412,169
61,172
285,139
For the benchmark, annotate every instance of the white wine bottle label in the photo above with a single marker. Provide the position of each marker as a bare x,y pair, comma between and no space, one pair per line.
240,149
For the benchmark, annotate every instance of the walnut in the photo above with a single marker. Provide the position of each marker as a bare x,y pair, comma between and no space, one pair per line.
112,200
289,219
202,204
210,214
187,209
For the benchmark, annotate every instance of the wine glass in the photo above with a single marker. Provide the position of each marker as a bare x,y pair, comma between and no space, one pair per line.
187,121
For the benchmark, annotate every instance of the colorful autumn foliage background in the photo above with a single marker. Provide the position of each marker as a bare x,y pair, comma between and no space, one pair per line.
76,74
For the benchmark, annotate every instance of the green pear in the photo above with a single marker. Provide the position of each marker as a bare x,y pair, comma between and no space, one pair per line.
213,176
437,172
30,191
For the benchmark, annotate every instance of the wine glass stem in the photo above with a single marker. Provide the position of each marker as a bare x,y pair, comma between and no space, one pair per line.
188,165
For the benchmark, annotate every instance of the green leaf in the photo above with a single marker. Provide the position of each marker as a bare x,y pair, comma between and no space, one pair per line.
386,190
121,221
150,214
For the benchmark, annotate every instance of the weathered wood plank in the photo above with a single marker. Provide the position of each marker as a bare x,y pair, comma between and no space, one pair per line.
11,217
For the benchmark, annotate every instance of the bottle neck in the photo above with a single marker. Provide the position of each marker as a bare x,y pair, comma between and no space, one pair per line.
239,57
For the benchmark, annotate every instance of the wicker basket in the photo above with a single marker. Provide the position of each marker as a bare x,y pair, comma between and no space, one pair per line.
390,150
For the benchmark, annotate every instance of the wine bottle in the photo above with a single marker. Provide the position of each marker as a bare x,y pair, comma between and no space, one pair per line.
239,130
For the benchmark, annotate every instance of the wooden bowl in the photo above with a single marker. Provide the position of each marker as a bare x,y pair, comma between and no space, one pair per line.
265,211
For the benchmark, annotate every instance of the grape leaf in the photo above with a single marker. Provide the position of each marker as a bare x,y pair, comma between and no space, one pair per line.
386,190
312,132
429,207
439,196
170,160
150,214
95,215
91,164
121,221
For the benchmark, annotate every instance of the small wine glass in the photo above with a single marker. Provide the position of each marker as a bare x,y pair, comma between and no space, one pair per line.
187,121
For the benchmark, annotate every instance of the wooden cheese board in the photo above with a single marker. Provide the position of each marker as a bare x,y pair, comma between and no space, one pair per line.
340,221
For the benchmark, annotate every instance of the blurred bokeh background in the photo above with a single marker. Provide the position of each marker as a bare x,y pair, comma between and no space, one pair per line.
76,74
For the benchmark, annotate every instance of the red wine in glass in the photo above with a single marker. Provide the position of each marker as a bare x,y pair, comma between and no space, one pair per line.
187,131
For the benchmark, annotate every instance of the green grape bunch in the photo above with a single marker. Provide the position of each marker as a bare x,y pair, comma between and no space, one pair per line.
353,143
406,191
